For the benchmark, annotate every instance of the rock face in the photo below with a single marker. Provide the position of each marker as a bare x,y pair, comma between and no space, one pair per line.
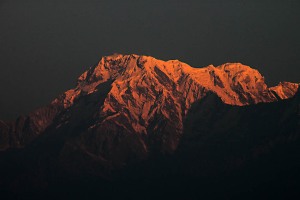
129,105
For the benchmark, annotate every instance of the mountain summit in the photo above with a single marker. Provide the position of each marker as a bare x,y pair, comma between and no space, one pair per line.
234,83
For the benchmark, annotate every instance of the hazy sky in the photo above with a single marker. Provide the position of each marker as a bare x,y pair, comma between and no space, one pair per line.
45,45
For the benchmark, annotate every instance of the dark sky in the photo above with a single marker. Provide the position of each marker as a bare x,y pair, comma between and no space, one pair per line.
45,45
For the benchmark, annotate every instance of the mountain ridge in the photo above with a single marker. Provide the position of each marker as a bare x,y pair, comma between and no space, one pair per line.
174,69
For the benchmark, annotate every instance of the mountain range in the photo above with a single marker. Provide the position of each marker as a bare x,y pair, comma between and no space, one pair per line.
133,118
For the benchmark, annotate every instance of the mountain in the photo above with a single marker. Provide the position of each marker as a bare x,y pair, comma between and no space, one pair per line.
140,94
131,109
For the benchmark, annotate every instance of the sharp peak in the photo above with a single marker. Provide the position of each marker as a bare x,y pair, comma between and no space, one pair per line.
227,64
117,56
233,67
